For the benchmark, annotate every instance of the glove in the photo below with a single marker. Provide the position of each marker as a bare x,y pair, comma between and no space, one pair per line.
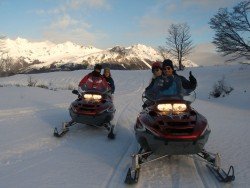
191,77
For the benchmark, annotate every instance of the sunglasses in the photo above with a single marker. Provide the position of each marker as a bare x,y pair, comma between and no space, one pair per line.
167,68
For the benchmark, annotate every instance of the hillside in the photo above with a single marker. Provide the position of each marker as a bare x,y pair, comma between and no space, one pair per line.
31,57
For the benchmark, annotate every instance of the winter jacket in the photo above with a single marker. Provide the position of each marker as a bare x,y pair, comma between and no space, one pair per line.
111,83
94,80
177,84
188,84
170,85
154,87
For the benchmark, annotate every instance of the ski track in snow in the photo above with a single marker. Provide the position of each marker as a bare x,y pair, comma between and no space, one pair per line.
28,111
130,108
28,148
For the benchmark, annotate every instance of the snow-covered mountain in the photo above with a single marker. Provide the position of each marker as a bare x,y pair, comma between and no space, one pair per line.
26,56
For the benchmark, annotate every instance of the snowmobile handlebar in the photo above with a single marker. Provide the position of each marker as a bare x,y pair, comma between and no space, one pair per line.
190,97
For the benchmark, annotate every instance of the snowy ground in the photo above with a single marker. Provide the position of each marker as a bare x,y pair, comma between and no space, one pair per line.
31,157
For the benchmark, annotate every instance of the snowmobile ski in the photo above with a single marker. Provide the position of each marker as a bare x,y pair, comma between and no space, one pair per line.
214,165
110,128
221,175
134,172
64,129
60,133
132,180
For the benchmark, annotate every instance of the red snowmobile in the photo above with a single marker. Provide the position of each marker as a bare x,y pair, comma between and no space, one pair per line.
94,106
168,125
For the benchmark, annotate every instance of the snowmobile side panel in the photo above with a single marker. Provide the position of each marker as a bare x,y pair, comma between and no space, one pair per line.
97,120
171,147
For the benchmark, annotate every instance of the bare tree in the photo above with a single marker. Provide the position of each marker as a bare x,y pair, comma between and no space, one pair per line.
179,43
232,31
163,51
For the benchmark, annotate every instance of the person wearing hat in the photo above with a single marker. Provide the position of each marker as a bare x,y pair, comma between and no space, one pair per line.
157,75
175,81
109,79
94,80
156,83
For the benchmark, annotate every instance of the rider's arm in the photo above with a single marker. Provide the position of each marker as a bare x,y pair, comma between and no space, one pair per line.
112,84
105,84
84,80
189,84
150,85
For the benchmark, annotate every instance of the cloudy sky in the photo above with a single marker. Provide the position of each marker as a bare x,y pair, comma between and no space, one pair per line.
105,23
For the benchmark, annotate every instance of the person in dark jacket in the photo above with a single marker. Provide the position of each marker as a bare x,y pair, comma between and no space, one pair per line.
175,80
157,75
109,79
155,85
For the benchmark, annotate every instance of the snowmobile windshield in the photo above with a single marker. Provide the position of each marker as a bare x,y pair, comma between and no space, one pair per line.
172,91
85,89
94,85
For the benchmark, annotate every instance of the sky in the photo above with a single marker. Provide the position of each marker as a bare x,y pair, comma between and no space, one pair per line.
106,23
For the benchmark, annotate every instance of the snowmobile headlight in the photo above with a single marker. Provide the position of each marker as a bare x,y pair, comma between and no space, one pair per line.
92,96
164,107
179,107
97,97
87,96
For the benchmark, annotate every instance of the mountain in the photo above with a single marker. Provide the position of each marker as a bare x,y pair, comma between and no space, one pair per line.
28,57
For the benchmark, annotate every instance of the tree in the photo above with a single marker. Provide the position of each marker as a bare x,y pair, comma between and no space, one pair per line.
232,31
179,43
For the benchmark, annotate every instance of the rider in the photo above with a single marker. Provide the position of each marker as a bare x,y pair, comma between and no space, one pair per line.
109,79
94,80
156,83
165,81
176,82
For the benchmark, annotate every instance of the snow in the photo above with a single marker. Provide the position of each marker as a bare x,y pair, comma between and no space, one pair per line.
68,52
46,51
31,157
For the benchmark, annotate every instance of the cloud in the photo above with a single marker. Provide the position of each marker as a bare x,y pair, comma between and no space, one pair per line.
205,54
76,35
73,5
69,29
67,23
156,21
64,22
76,4
153,25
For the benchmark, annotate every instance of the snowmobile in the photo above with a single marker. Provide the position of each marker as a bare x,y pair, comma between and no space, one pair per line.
168,125
94,107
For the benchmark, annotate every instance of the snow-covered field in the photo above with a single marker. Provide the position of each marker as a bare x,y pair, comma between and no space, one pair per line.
31,157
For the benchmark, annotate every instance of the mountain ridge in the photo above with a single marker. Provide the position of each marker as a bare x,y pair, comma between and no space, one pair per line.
29,57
